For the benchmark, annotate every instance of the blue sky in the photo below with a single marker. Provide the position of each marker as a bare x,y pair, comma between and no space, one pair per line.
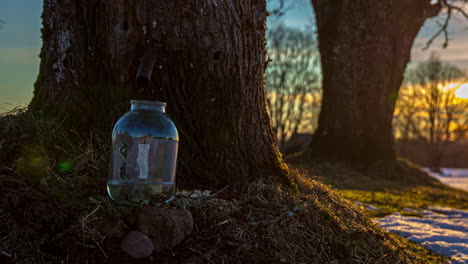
20,44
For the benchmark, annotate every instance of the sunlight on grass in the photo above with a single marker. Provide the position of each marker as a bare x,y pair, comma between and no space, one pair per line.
392,201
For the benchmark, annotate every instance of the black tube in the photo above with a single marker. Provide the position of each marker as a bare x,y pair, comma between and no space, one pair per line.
145,69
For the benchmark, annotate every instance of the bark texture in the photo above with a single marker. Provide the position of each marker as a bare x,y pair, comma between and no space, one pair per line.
209,69
365,46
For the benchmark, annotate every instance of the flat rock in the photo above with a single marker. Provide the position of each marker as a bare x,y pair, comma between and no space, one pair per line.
167,227
137,245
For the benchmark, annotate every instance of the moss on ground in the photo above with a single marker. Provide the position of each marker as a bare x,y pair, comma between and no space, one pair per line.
392,201
53,200
404,187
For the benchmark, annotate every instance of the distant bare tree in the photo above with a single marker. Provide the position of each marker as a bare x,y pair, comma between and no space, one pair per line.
365,46
405,121
460,132
428,109
292,81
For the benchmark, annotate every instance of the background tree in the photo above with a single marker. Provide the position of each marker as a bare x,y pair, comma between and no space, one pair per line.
363,61
209,69
460,132
406,116
292,82
436,112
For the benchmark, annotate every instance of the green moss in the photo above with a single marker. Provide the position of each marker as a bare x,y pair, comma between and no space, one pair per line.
391,201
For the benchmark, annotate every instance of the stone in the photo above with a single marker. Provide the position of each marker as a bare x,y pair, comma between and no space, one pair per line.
167,227
194,195
137,245
183,193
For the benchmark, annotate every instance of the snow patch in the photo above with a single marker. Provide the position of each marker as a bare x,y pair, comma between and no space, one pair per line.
121,38
442,230
50,5
409,210
368,207
453,177
194,194
63,43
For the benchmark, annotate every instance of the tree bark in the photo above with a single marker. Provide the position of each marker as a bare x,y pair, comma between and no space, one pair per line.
364,46
209,69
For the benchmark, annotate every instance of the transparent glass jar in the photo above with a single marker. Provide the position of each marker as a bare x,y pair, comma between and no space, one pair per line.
144,153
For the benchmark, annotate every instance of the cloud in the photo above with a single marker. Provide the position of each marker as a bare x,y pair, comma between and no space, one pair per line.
456,51
458,25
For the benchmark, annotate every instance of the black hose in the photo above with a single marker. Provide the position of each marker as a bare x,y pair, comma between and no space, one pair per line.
145,69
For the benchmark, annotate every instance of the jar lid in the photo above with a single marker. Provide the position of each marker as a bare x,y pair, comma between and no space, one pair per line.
147,102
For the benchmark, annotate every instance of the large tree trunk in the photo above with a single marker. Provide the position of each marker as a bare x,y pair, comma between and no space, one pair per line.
364,47
209,69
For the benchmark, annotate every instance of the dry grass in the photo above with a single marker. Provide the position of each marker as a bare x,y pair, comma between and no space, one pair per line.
47,174
270,224
50,212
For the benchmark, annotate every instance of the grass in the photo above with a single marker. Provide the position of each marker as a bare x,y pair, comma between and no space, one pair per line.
53,206
397,200
403,186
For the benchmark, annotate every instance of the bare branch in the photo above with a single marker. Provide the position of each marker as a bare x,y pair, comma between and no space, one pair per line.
456,8
279,11
442,29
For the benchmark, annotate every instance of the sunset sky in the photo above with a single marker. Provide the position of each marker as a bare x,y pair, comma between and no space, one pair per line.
20,44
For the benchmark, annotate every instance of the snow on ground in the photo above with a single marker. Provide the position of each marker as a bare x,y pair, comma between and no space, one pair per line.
442,230
454,177
368,207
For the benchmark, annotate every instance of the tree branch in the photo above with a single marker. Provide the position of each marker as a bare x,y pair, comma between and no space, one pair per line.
443,27
280,10
456,8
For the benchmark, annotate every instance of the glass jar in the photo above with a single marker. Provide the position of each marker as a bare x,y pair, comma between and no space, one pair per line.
144,153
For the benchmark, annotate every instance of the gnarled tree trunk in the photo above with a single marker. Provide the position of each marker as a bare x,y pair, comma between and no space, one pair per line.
364,47
209,69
